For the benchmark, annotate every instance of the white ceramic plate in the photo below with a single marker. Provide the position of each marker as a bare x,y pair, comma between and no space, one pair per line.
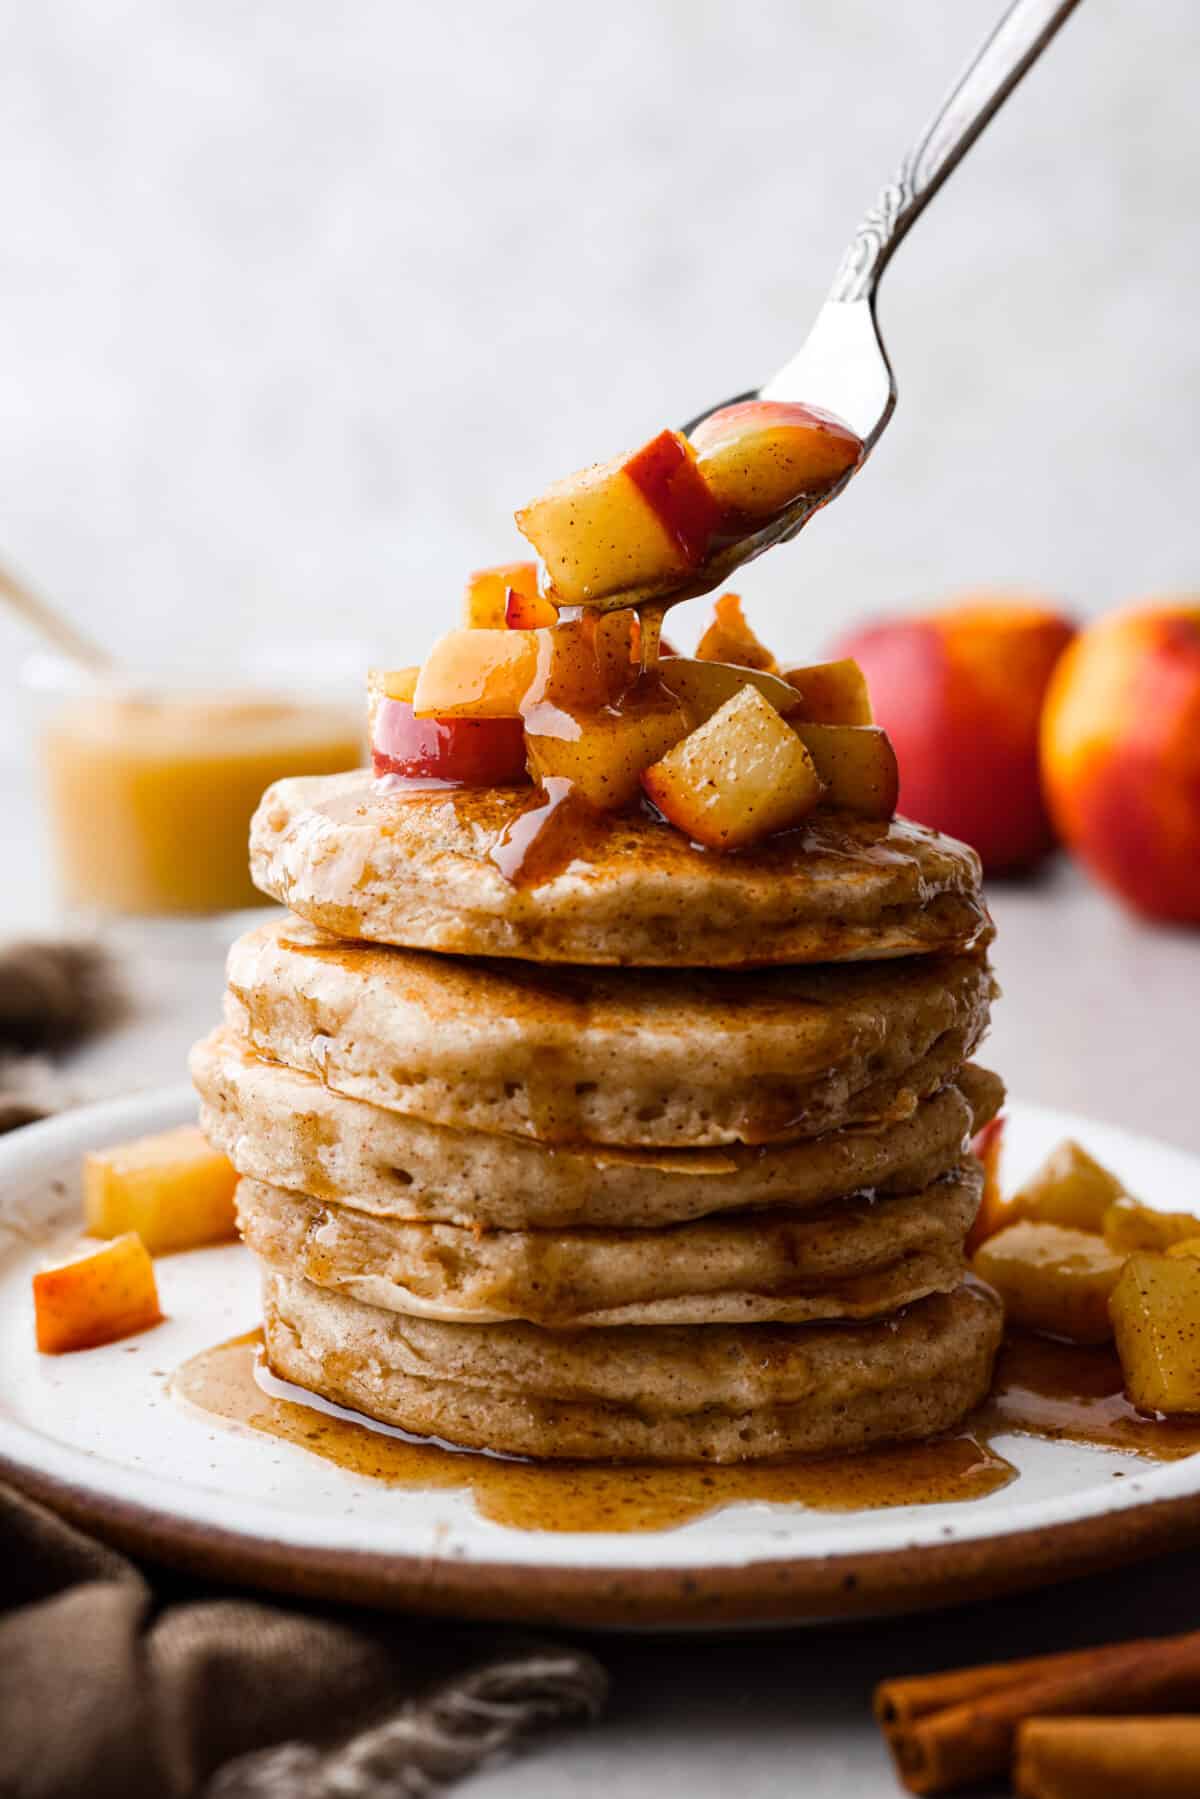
99,1437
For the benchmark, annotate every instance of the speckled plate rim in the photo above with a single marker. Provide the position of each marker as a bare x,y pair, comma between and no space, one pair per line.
924,1563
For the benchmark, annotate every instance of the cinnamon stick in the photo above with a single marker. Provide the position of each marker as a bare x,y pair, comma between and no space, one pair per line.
900,1702
1108,1758
949,1730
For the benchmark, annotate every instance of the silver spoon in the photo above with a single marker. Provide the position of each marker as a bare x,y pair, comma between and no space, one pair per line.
843,366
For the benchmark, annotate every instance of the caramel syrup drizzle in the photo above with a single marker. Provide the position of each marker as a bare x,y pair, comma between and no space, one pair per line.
559,825
1042,1388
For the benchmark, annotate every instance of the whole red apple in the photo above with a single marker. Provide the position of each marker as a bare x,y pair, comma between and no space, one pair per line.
1121,756
960,693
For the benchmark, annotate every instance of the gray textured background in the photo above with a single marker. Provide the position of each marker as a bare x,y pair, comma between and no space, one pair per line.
300,300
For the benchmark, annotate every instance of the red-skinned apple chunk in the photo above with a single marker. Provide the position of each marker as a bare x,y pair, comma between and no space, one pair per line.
485,600
737,778
472,752
728,638
857,766
638,521
760,455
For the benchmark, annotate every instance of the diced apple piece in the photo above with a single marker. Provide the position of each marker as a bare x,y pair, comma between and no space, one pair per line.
476,752
173,1189
392,683
1052,1279
1069,1187
477,673
100,1296
994,1210
832,693
487,591
729,638
1156,1321
759,455
736,778
857,765
527,611
605,757
704,687
1129,1225
581,665
397,684
638,521
473,752
665,472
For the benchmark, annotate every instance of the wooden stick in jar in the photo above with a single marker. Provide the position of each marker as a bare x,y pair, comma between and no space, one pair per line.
950,1730
1108,1758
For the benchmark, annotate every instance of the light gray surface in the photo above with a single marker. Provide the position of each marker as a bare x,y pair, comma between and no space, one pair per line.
1098,1015
300,301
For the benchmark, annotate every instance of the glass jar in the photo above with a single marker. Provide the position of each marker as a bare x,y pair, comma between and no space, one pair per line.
149,777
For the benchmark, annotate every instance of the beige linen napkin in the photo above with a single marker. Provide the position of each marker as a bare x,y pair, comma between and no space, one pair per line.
111,1687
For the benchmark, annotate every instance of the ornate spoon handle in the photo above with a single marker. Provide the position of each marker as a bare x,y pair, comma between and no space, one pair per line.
981,90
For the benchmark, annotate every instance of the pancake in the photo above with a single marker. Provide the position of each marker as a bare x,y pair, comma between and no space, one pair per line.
411,867
719,1393
666,1058
856,1259
289,1130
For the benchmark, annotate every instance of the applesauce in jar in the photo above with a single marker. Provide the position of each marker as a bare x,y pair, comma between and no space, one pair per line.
150,792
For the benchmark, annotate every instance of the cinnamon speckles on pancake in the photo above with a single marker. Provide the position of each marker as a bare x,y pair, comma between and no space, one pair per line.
665,1058
413,868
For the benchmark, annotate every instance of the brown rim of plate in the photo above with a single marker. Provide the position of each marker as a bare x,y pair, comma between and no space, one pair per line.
805,1590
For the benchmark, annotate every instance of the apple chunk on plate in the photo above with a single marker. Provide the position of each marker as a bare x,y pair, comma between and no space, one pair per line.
760,455
99,1296
1155,1310
737,778
857,766
173,1189
638,521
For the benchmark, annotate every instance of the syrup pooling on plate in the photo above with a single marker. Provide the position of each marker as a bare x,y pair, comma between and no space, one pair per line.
582,1496
1074,1393
1042,1388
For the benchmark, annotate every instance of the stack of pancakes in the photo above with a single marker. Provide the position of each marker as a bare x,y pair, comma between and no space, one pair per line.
663,1158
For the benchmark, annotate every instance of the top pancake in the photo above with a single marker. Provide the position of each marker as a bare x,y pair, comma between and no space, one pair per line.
411,867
